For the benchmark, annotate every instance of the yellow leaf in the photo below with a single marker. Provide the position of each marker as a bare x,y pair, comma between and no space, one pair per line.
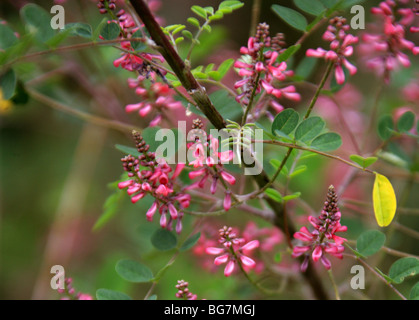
384,200
5,105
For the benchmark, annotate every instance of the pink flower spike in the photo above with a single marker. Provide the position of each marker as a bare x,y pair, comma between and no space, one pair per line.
221,259
229,268
214,250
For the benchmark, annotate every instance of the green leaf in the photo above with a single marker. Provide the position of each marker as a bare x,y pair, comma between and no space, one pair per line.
306,67
138,45
8,84
38,22
187,34
7,37
127,150
370,242
385,127
314,7
402,268
106,294
329,3
414,293
286,121
98,29
292,196
190,242
79,29
224,68
327,142
363,162
406,121
228,107
58,38
152,297
110,31
274,194
199,11
309,129
233,5
288,53
290,16
384,200
133,271
298,170
110,208
194,21
163,240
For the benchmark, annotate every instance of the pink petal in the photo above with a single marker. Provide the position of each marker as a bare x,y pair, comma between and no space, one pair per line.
229,268
248,262
221,259
250,245
214,250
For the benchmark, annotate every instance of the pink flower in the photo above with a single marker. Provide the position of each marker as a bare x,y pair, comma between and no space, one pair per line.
233,252
154,180
323,238
262,71
340,48
383,51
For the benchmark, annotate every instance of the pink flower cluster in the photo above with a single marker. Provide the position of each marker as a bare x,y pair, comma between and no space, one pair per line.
156,181
234,251
323,238
156,96
260,69
383,51
340,48
209,165
69,293
183,291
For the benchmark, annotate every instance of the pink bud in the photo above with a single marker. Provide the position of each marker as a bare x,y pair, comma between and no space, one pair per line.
340,75
150,213
125,184
137,197
228,177
172,211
